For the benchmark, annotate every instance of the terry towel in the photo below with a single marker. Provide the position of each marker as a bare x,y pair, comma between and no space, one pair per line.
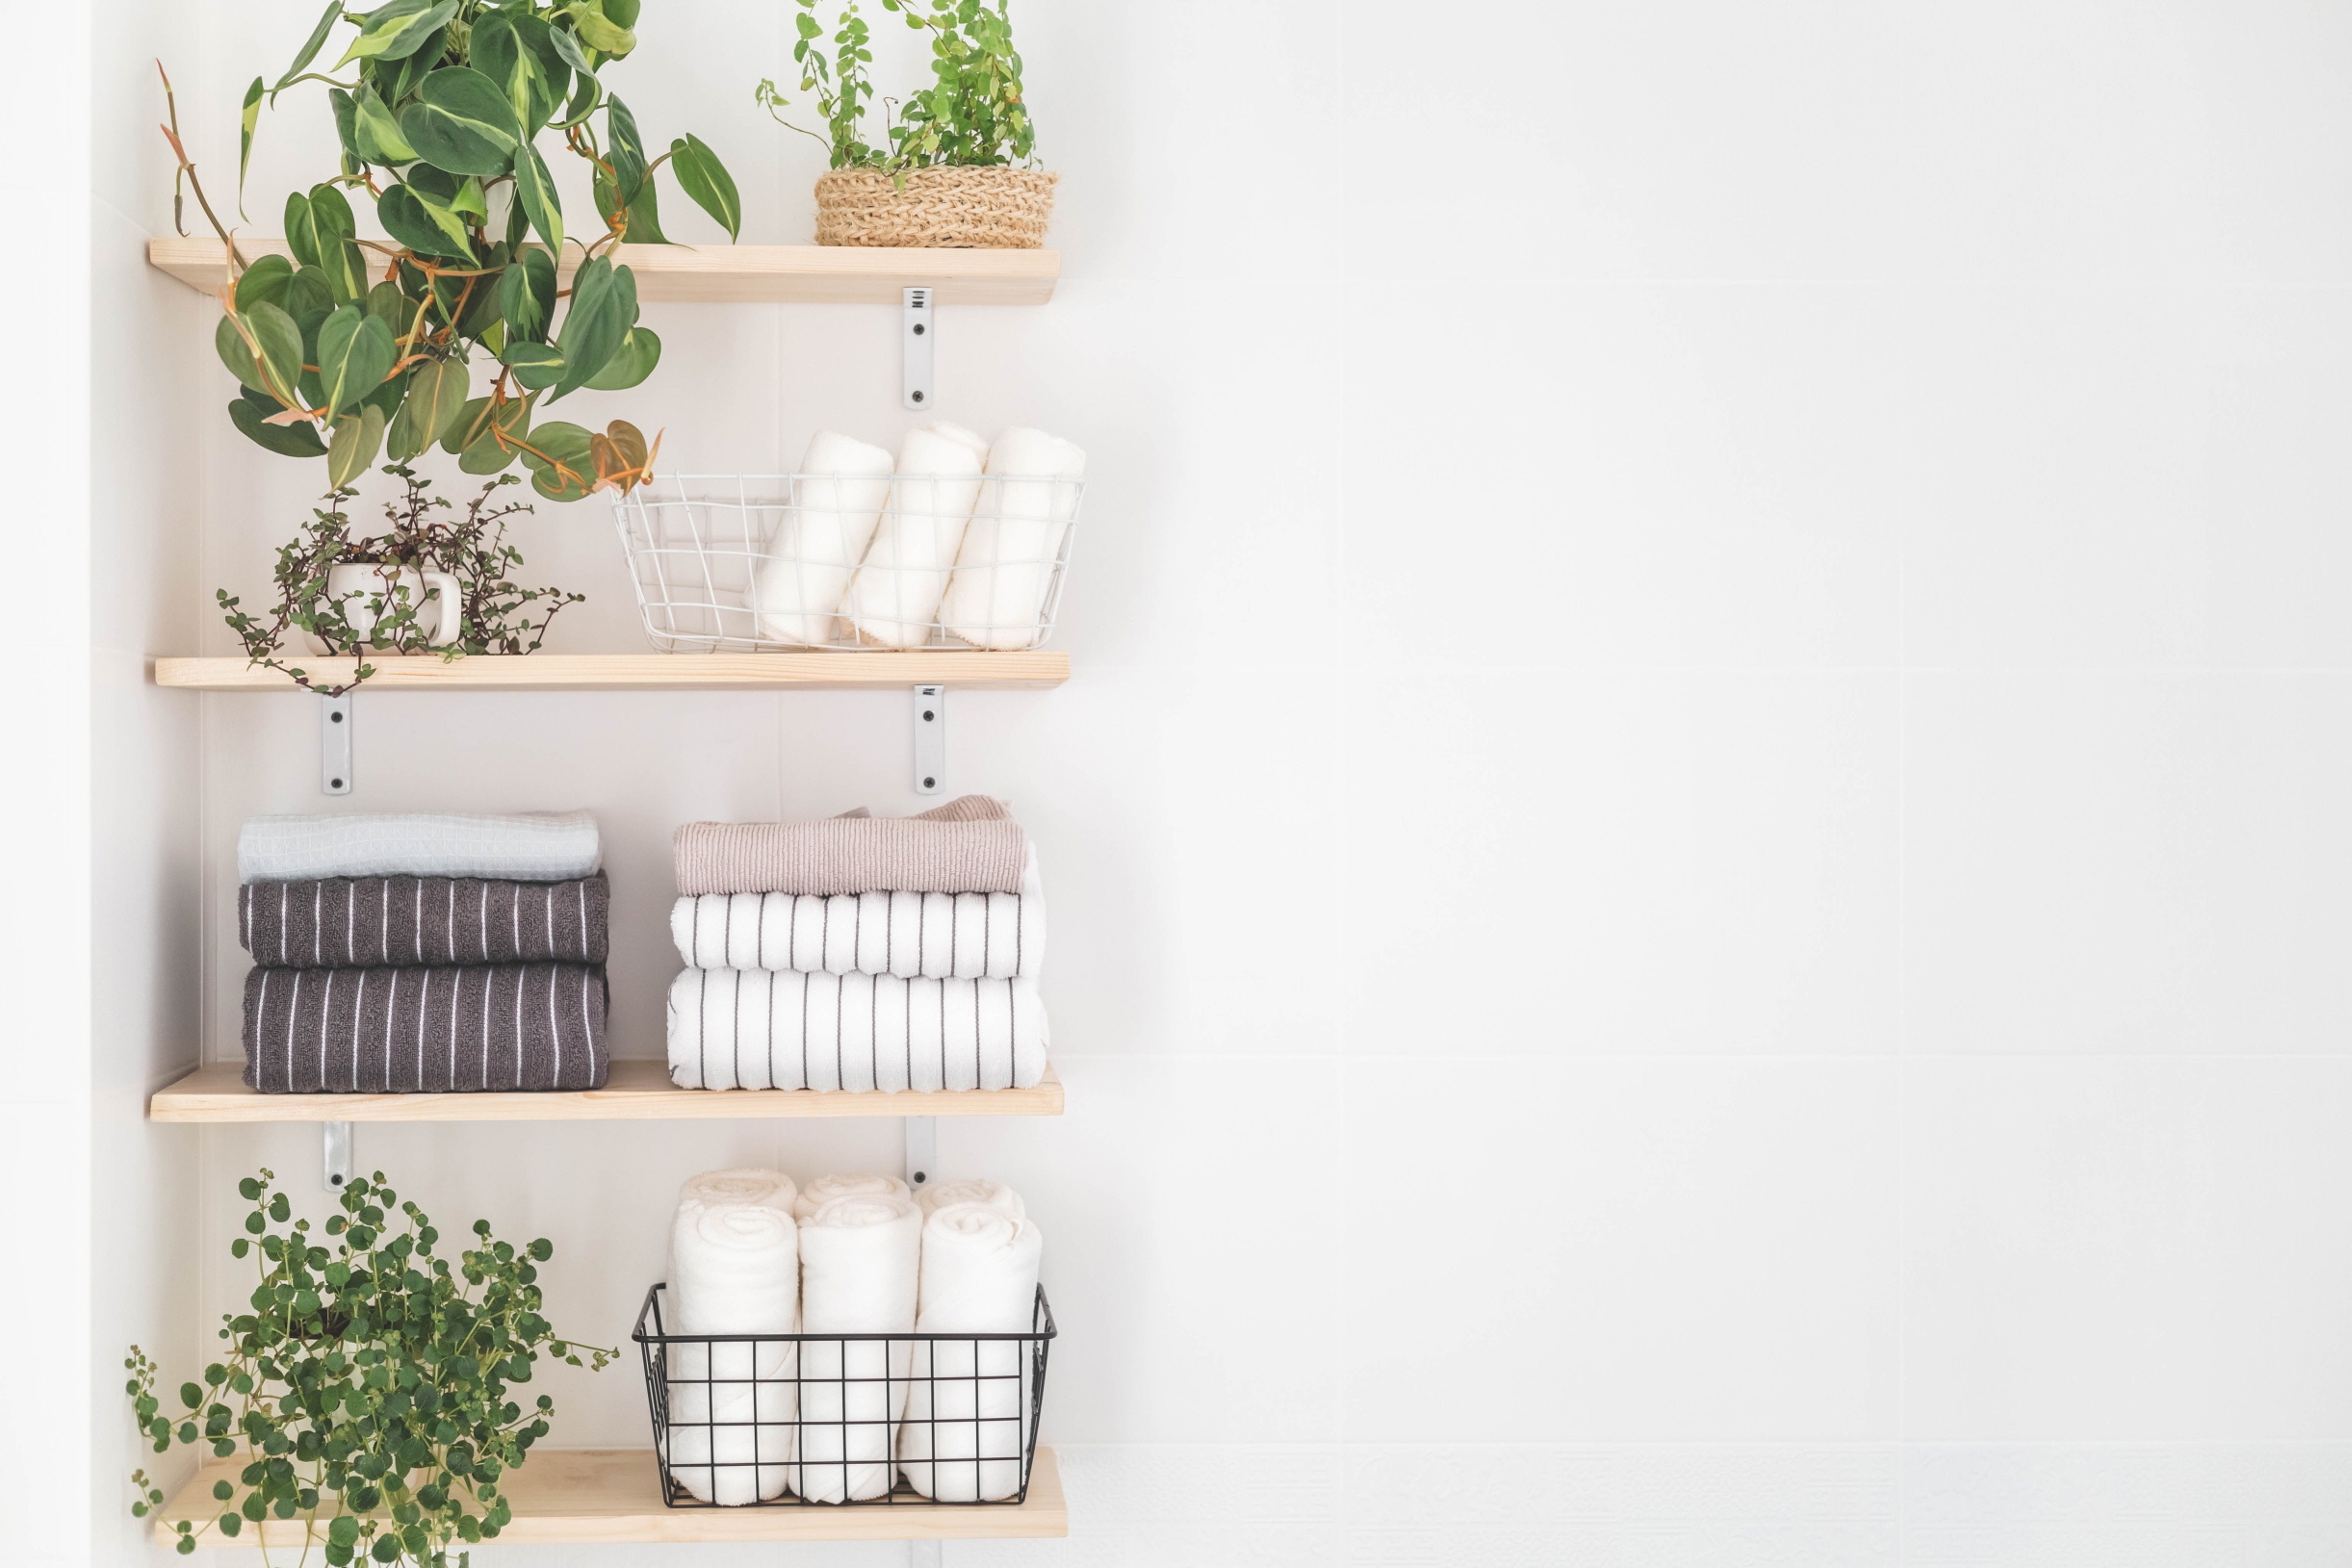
942,936
782,1029
963,1439
971,1190
797,591
858,1261
734,1269
534,1026
969,845
350,922
825,1189
1009,554
535,847
894,602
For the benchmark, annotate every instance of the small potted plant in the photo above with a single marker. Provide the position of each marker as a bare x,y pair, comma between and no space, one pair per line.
373,1388
958,164
428,584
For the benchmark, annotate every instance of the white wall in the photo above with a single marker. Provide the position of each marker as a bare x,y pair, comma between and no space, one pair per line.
1695,848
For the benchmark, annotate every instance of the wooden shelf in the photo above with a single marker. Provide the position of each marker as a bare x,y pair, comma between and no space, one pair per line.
1036,670
611,1496
741,275
638,1091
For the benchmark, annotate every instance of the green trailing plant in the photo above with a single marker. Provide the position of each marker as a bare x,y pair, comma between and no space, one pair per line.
359,346
371,1387
972,113
500,616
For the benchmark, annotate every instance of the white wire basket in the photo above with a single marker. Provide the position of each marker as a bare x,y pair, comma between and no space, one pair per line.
737,563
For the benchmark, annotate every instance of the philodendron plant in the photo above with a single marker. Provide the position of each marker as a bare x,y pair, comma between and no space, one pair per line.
355,346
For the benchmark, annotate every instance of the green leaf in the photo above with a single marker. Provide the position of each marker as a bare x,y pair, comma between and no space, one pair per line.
229,343
301,234
285,439
426,227
599,32
312,46
482,453
377,134
347,129
604,308
517,51
573,54
621,13
331,213
560,441
436,397
388,305
355,353
308,294
536,367
397,30
644,214
640,352
464,430
536,188
244,137
281,350
707,181
527,294
265,280
356,437
463,124
627,150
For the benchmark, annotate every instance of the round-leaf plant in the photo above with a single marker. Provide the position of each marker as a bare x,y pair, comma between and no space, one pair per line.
356,345
371,1387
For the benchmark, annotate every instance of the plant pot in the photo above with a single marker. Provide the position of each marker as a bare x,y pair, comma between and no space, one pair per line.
363,588
986,207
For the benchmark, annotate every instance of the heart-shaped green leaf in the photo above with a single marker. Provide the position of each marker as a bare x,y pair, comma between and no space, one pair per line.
230,345
527,295
347,129
482,452
388,305
296,440
517,51
561,466
397,30
467,426
706,179
604,308
377,132
640,352
625,148
353,446
436,397
280,342
536,188
308,294
462,123
600,32
302,233
428,228
265,280
355,353
536,367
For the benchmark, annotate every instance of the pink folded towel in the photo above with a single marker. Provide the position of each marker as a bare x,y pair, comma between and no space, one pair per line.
969,845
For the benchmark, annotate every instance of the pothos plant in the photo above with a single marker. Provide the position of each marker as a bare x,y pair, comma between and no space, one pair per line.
972,113
356,344
496,615
372,1385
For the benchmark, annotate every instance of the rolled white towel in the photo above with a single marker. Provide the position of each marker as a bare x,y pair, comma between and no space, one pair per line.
742,1184
966,1402
783,1029
859,1259
1007,562
734,1269
895,600
797,591
970,1190
825,1189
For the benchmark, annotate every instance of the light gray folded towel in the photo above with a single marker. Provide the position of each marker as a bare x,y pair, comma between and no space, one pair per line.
493,1026
537,846
353,922
969,845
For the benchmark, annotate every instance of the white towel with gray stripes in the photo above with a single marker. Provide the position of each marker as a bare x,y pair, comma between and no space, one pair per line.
789,1029
537,846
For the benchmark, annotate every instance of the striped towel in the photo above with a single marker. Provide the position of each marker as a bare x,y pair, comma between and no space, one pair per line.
347,922
781,1029
540,846
531,1026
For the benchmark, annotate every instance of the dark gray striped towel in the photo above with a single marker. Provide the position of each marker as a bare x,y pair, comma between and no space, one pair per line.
535,1026
346,922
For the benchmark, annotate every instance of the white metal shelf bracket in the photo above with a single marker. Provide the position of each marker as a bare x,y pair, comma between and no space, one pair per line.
917,327
930,739
923,1150
335,744
336,1139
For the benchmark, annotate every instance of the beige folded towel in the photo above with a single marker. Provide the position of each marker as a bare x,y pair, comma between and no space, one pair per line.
969,845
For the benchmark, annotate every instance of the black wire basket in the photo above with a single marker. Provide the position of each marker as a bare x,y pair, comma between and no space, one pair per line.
862,1420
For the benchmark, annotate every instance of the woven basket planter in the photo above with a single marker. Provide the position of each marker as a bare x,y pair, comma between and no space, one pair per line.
985,207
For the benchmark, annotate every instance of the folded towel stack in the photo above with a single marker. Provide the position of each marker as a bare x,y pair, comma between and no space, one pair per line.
422,953
958,537
835,1420
859,953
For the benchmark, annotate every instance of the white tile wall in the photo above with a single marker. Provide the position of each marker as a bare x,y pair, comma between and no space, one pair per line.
1695,851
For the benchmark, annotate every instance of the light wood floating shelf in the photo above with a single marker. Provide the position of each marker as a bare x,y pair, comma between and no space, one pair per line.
638,1091
611,1496
740,274
1036,670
